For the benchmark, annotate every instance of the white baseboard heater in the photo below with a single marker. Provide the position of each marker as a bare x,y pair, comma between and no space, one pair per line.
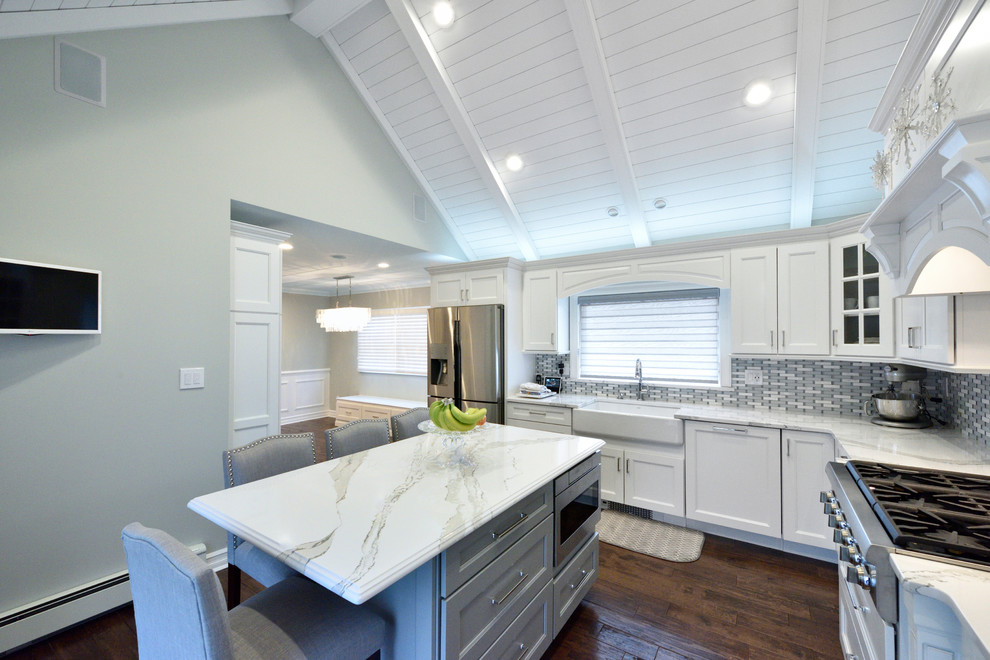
34,621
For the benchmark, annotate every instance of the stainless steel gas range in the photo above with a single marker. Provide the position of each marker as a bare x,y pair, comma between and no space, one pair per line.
879,509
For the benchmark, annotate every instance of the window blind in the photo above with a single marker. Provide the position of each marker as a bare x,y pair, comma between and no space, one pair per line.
394,342
674,333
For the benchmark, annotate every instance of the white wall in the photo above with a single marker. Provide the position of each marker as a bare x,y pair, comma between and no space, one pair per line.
305,345
94,430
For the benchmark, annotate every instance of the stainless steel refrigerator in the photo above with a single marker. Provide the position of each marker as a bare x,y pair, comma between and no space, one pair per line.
466,354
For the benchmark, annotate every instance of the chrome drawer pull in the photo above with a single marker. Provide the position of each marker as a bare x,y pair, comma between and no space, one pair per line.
522,647
497,535
537,412
574,585
522,578
727,428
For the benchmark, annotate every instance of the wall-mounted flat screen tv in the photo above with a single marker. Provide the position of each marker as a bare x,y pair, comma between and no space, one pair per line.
46,299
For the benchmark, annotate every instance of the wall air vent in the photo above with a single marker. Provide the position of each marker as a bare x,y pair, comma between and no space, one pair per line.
419,207
80,74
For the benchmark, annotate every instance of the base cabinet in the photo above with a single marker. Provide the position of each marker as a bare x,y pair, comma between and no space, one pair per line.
803,460
732,476
646,479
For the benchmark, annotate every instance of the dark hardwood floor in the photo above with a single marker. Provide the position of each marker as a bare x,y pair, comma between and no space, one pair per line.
736,601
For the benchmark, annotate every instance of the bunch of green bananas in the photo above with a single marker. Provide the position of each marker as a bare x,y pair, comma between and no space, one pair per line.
445,415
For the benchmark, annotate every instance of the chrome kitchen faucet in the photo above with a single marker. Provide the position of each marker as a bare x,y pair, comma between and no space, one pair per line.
639,376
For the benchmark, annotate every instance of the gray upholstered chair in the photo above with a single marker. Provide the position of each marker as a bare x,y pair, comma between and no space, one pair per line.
356,436
406,424
180,613
262,458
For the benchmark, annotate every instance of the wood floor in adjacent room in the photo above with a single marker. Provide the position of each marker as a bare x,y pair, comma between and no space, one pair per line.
736,601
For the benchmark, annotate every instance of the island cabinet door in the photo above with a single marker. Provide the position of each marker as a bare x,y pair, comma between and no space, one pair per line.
477,614
732,476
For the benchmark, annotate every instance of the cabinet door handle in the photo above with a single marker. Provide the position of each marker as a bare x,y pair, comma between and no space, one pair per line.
522,578
551,339
627,466
497,535
771,339
788,446
461,298
835,338
729,428
618,464
783,338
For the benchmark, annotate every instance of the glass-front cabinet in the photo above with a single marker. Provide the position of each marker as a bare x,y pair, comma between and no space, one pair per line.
862,307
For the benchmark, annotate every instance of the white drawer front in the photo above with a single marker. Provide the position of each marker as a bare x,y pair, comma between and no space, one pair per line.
538,413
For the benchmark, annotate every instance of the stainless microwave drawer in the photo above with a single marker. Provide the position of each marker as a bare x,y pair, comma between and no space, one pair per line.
465,558
535,412
481,610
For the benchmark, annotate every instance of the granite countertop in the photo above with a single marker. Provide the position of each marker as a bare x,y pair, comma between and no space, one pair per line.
562,400
358,524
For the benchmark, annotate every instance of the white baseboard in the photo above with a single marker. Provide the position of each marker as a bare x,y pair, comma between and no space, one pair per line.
303,417
34,621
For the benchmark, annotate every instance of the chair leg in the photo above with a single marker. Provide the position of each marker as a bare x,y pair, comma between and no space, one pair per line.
233,586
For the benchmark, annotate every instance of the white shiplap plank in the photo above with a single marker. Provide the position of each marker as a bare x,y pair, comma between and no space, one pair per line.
512,66
871,16
443,184
526,139
527,81
737,167
615,15
861,62
495,29
443,156
845,105
401,63
867,81
595,172
521,101
370,36
402,90
430,148
449,167
422,122
428,135
410,111
843,183
844,168
16,5
544,111
572,120
470,17
383,50
856,119
845,139
774,175
871,38
751,144
566,206
364,16
849,154
45,5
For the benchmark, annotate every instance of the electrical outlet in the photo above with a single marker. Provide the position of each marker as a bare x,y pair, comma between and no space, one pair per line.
754,376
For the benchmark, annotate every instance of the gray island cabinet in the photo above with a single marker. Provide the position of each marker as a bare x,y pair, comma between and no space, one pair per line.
454,546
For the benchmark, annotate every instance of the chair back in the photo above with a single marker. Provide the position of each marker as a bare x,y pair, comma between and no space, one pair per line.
406,424
359,435
267,457
179,605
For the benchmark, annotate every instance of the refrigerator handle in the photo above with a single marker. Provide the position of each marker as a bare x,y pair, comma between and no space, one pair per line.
458,394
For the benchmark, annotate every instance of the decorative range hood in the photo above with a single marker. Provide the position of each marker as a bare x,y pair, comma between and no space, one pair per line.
931,234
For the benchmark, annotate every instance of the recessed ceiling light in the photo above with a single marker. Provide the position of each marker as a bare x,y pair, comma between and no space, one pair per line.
285,245
758,93
443,13
514,162
659,203
612,211
383,265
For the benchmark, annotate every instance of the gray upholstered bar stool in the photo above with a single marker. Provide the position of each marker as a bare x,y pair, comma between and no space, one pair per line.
406,424
356,436
262,458
180,613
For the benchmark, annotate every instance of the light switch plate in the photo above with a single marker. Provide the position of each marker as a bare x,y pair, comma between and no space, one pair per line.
192,378
754,376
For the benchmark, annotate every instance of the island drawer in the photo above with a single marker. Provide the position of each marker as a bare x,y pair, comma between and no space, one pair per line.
534,412
574,582
471,554
481,610
530,634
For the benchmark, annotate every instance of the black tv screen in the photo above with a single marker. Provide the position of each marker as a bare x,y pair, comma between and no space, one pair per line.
46,299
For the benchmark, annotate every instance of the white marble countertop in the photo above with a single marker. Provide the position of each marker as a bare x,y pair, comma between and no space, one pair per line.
861,440
563,400
964,590
360,523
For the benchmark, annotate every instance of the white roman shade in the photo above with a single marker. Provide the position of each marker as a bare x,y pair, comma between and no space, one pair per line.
394,342
674,333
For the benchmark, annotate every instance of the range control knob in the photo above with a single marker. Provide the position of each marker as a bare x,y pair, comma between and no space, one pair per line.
862,575
832,507
851,554
837,521
843,536
826,496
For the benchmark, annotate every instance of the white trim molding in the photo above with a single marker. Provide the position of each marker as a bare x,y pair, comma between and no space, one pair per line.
305,395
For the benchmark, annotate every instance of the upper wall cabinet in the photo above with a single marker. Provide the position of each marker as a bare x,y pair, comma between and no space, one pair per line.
545,316
475,287
780,299
862,307
925,329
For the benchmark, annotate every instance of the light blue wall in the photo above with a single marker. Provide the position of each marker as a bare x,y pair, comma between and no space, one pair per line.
94,432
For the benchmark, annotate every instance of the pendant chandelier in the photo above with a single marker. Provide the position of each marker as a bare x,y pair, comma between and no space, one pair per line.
343,319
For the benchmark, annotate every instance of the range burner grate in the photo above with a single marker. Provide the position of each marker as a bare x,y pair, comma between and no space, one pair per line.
941,513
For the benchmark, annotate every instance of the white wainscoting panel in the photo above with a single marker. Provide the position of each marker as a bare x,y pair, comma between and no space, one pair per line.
305,395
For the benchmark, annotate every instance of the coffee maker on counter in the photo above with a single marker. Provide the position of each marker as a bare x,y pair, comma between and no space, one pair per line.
903,403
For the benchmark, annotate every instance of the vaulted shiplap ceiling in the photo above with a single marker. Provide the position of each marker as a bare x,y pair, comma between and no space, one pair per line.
613,103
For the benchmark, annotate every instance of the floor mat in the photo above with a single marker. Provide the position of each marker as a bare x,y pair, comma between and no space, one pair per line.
650,537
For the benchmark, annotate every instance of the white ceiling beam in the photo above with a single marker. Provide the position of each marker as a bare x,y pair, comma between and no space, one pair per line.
589,43
320,16
67,21
419,42
372,105
811,33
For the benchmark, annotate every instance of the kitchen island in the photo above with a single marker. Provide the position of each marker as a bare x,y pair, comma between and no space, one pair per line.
374,526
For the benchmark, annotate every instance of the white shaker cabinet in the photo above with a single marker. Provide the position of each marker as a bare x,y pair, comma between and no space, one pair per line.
803,460
780,299
545,316
473,287
925,329
613,477
732,476
644,478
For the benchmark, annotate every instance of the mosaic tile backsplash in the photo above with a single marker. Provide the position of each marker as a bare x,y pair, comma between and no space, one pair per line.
809,386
